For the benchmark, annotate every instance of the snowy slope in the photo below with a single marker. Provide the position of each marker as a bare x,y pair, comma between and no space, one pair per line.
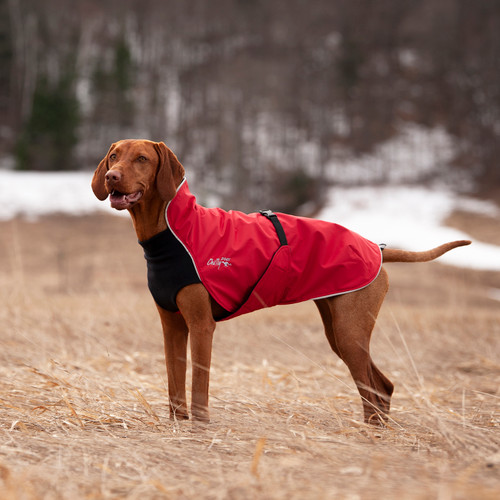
32,194
412,218
404,217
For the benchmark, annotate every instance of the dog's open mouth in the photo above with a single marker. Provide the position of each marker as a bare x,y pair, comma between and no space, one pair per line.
122,201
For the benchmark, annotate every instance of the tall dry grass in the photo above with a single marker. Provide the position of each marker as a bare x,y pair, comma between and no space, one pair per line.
84,401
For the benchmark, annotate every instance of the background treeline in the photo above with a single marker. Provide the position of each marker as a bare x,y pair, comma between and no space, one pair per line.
255,96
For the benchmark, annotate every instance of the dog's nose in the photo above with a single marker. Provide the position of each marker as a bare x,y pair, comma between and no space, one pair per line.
113,177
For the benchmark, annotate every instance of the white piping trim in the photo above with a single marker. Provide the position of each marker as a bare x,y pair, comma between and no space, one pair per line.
173,232
179,186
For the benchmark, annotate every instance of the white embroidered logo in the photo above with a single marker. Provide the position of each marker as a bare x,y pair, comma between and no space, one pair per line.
222,261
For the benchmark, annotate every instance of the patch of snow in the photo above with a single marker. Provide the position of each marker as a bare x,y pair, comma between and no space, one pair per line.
402,217
494,293
33,194
411,218
414,153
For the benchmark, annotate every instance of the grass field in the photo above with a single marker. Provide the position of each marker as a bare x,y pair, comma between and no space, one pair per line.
83,385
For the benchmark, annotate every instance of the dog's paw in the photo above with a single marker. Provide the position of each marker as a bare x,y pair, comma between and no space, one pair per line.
200,414
179,414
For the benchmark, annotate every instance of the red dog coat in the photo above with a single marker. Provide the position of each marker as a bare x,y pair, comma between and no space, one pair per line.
240,261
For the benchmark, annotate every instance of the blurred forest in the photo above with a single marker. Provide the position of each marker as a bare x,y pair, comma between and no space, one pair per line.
254,96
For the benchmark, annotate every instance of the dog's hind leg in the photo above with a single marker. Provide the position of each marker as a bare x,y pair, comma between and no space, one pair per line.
326,316
349,320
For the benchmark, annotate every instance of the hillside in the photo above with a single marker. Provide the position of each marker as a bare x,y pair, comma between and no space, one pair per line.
274,96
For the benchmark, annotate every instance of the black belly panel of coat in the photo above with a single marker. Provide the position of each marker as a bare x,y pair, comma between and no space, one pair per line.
170,268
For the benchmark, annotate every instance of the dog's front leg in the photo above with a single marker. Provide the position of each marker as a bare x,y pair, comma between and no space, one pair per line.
194,303
175,334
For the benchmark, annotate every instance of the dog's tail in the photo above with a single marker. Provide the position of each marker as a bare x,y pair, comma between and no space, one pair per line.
392,255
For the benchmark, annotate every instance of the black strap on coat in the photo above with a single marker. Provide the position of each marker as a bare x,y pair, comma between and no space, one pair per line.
277,225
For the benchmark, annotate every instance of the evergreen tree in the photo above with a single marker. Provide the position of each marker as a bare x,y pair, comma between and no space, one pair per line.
50,133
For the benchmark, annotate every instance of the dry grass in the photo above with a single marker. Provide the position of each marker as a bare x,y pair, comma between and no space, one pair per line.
83,389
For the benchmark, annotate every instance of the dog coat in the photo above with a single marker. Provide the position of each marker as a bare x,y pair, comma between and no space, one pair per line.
242,263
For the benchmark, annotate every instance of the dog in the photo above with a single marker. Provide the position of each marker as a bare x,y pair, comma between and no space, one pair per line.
208,265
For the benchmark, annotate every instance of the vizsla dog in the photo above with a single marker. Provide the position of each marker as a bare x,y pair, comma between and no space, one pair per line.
194,256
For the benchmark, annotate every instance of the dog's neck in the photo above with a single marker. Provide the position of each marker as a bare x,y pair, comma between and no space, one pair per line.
148,217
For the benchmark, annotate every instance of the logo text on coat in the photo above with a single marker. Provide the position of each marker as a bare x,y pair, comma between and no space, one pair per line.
220,262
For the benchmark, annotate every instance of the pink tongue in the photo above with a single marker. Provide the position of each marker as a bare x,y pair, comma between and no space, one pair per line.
118,201
123,201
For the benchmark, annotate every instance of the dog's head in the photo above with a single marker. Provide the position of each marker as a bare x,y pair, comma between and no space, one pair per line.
135,170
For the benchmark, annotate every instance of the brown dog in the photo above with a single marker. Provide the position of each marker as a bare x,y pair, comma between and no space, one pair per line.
143,177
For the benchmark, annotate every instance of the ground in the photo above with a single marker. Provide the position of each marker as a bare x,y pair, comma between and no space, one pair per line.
83,385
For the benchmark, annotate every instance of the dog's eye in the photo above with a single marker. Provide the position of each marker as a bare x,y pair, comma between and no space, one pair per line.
112,156
142,158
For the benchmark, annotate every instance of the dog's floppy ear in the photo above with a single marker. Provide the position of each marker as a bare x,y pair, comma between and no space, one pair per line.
170,172
98,185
